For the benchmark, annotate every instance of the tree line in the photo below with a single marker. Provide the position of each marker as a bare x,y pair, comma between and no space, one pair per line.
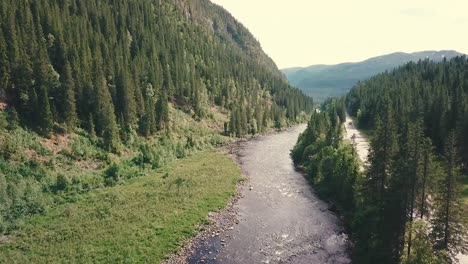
408,204
331,165
418,116
112,67
434,93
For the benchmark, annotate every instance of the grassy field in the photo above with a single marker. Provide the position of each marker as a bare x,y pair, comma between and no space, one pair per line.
143,220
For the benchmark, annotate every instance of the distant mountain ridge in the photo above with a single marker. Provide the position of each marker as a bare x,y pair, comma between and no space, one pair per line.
322,81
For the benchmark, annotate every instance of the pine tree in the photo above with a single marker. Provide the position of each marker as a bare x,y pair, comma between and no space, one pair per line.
4,65
68,99
448,231
126,99
414,178
91,127
233,121
427,176
162,112
383,150
147,124
44,114
106,125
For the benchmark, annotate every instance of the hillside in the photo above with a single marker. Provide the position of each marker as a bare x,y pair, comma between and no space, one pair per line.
322,81
99,103
419,110
408,201
84,64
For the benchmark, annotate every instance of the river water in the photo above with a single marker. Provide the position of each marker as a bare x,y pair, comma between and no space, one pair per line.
280,219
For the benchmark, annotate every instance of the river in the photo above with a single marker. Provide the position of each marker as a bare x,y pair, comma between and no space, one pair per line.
280,219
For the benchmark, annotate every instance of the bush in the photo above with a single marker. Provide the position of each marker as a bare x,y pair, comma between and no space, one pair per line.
33,169
112,175
27,200
61,183
7,148
59,128
3,226
3,121
13,119
76,185
180,151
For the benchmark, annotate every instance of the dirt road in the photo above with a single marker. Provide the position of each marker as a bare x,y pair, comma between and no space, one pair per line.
357,139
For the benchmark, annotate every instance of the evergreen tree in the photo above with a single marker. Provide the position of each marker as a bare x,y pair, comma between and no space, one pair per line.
448,231
427,177
162,112
4,65
44,114
106,126
68,99
126,99
383,150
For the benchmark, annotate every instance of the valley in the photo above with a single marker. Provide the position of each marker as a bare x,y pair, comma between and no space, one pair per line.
280,218
323,81
161,131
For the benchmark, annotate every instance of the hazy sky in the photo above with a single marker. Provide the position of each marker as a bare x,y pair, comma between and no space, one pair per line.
306,32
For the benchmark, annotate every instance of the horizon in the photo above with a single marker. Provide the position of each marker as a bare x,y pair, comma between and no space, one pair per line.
382,55
305,33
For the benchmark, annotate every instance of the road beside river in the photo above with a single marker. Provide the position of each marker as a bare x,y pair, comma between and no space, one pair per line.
362,148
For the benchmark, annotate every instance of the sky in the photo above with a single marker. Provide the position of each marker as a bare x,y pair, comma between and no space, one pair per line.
298,33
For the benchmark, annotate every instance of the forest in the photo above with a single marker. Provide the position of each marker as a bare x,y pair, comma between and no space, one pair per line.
418,115
409,204
112,67
94,93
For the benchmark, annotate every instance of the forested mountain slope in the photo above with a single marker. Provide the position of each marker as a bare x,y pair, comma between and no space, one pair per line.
418,118
409,205
322,81
99,95
434,93
112,66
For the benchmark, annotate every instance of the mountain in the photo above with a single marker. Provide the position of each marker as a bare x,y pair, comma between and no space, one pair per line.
97,95
222,24
114,66
322,81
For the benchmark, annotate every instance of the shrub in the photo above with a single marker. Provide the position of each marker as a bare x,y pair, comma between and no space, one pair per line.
7,148
112,175
3,225
13,119
3,121
75,184
180,151
61,183
59,128
32,169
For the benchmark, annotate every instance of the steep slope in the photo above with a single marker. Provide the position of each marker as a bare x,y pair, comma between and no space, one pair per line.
113,66
228,29
322,81
418,116
97,93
